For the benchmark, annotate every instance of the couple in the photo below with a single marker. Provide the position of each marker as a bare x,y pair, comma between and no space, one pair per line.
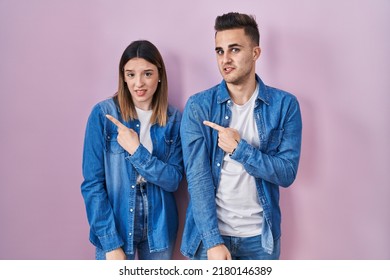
238,142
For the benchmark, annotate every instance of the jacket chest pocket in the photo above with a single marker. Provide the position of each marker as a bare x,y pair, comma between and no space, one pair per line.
170,143
112,145
274,140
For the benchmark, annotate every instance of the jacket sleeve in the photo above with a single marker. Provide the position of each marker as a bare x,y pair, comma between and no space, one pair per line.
99,210
279,168
165,174
198,169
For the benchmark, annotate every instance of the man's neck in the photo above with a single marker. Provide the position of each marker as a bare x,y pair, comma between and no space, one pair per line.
241,93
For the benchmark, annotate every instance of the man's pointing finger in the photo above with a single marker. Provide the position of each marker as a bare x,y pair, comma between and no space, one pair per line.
214,125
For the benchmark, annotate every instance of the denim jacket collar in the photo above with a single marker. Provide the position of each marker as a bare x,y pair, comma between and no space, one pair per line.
223,93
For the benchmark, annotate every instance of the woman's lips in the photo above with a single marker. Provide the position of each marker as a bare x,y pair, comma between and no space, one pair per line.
140,92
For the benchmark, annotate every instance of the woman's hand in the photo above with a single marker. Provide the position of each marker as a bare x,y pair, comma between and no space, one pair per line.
127,138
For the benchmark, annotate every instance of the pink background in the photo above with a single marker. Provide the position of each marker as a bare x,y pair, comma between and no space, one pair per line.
59,58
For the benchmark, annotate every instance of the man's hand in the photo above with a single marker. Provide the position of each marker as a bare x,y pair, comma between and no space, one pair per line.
228,138
116,254
219,252
127,137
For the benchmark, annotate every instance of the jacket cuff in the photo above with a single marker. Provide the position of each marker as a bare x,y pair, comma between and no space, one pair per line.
110,242
212,239
140,156
241,153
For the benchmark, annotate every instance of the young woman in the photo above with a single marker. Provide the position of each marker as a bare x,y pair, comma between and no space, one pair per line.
132,162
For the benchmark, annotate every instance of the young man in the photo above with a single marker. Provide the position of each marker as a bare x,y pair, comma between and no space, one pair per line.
241,140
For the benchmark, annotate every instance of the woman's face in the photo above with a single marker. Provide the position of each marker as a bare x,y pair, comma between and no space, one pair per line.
142,79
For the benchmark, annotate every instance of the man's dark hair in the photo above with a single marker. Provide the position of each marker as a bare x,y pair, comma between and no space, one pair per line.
237,20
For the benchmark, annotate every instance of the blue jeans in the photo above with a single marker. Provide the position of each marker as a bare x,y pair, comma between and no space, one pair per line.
243,248
140,232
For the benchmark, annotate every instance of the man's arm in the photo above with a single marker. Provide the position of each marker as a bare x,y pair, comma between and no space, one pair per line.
196,145
281,167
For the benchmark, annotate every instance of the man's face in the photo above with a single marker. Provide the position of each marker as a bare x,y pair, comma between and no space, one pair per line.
236,56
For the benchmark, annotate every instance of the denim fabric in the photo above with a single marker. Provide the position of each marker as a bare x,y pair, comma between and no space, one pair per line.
110,175
244,248
273,164
141,232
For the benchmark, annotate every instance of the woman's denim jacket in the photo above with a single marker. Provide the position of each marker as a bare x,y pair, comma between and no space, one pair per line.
110,175
273,164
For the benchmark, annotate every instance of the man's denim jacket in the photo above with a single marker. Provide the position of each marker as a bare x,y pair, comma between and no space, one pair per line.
110,175
273,164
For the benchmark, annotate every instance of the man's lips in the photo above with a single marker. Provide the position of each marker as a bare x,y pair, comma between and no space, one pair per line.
228,69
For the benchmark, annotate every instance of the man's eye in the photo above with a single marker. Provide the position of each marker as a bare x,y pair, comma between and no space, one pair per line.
219,52
235,50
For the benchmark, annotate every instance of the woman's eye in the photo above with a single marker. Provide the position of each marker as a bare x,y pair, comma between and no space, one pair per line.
148,74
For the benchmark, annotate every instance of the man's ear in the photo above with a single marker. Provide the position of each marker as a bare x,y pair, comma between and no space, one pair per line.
256,53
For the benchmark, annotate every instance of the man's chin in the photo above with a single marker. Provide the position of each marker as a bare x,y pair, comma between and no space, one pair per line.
231,80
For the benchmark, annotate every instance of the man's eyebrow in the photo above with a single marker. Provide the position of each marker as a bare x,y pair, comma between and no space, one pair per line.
230,46
234,45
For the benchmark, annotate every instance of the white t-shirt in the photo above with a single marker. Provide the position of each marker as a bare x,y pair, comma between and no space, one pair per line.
144,134
238,208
